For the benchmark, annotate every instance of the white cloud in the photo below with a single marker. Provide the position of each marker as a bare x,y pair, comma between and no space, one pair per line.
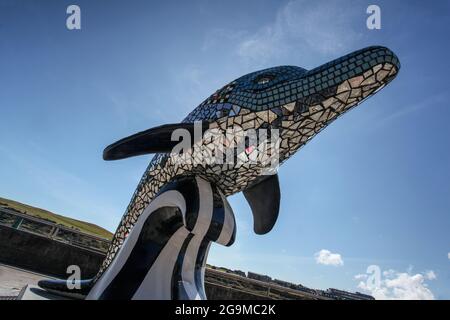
430,275
302,26
392,272
400,286
360,277
327,258
448,255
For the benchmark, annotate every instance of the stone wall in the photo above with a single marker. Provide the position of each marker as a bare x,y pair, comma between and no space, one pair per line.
40,254
47,256
44,255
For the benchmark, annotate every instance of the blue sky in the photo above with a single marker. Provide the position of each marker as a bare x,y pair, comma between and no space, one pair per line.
373,188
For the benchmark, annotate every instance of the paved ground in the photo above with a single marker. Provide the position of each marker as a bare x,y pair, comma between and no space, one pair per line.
13,279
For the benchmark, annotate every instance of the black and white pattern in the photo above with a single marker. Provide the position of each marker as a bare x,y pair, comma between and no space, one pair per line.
164,256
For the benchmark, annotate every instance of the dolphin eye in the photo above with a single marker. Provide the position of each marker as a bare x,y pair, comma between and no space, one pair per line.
263,79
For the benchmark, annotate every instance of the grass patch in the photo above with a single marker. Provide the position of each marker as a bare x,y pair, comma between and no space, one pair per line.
78,225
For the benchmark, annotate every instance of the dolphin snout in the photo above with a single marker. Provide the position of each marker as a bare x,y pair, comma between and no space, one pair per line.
355,64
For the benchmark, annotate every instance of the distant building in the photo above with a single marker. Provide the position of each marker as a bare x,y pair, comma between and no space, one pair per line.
331,293
260,277
344,295
240,273
285,284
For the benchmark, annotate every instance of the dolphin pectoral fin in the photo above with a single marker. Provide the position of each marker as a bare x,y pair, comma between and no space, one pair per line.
154,140
264,200
79,291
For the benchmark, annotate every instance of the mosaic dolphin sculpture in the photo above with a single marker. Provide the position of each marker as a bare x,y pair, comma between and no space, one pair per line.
297,102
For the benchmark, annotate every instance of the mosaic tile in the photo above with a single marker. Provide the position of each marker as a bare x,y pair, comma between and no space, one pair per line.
297,101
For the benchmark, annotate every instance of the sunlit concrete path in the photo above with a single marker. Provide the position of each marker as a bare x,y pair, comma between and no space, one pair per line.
13,279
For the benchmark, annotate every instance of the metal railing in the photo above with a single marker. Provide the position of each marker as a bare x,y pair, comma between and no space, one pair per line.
20,221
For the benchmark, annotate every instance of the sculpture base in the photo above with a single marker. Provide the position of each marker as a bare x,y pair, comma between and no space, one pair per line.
163,257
